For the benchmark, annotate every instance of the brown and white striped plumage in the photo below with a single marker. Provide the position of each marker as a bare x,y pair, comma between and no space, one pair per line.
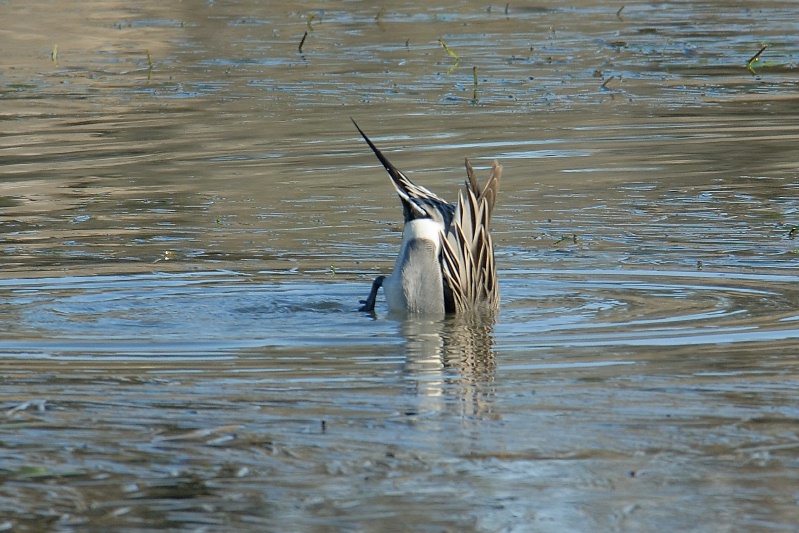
470,276
446,262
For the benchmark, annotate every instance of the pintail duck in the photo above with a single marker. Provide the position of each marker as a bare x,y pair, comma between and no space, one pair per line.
446,261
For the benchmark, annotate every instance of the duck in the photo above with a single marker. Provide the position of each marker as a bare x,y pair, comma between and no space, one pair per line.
446,261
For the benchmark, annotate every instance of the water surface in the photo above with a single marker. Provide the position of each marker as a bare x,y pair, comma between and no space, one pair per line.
188,220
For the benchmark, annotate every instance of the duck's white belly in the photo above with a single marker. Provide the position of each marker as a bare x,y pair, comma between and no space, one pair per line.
416,285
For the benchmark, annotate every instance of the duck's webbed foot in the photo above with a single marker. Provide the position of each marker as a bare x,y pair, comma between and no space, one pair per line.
369,303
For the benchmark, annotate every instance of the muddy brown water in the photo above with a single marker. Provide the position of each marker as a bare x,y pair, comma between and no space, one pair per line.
188,220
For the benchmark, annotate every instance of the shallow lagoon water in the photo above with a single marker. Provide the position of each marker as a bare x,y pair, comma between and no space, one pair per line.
185,240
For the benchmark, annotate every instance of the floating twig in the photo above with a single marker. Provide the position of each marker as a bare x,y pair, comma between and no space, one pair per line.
149,65
474,91
310,19
302,41
380,14
54,55
604,85
755,58
618,13
573,237
449,50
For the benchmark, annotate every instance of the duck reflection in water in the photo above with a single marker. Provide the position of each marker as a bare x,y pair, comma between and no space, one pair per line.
452,359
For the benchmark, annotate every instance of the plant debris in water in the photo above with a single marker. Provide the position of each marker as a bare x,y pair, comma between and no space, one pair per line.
754,59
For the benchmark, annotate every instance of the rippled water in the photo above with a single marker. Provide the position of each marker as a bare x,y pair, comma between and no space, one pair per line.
188,220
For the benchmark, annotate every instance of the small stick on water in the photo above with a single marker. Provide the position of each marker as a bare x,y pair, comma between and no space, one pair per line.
605,83
310,19
506,8
755,58
54,55
302,42
618,13
565,238
449,50
150,65
474,92
380,14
